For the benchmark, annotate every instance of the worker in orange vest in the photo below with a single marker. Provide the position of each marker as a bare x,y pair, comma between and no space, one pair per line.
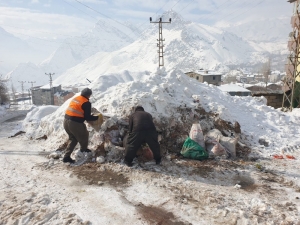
77,112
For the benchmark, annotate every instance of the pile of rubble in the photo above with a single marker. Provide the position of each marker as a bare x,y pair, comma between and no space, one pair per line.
111,138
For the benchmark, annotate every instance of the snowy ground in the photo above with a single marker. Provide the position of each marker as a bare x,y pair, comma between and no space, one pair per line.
38,190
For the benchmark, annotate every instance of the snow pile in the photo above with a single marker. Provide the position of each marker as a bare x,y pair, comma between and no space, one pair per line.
24,105
2,110
33,119
175,100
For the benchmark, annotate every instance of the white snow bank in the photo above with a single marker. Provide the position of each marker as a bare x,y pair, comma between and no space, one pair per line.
2,110
161,94
34,117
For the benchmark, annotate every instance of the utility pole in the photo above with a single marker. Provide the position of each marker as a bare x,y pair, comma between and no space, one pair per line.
22,85
266,71
291,87
51,91
30,102
32,82
160,40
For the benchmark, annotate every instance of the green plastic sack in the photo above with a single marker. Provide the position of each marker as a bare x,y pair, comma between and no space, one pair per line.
193,150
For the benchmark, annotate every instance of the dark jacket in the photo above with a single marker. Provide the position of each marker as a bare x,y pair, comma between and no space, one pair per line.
140,121
86,107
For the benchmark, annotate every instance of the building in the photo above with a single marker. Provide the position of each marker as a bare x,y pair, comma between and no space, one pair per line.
235,90
211,77
273,93
43,95
36,95
62,96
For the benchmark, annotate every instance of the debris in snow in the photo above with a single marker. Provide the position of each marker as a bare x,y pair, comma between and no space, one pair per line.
18,133
237,186
100,159
55,155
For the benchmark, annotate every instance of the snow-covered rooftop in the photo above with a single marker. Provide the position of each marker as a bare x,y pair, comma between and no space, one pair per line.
232,87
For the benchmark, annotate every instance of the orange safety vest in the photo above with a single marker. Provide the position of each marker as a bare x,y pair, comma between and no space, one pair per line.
74,108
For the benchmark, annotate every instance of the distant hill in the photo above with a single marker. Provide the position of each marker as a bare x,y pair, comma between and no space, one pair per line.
105,37
188,46
112,47
13,51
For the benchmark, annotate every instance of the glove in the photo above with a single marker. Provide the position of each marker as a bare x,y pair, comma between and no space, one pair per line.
100,119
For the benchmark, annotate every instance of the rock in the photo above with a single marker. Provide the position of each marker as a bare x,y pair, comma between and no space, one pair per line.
100,159
54,155
237,186
237,128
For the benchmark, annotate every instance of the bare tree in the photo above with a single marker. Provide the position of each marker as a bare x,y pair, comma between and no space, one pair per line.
266,71
13,92
3,91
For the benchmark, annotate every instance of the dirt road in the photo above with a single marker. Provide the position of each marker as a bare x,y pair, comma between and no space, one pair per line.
37,190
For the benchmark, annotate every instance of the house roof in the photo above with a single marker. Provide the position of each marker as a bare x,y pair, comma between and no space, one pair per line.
232,88
271,89
47,86
205,72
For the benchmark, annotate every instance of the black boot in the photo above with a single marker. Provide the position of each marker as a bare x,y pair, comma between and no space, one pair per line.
158,161
68,159
129,164
85,150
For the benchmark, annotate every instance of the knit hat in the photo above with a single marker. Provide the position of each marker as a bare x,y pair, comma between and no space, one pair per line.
139,108
86,92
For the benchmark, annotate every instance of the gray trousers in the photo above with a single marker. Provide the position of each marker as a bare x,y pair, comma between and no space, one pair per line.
77,133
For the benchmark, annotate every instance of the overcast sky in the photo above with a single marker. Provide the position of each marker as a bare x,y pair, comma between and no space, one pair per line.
59,19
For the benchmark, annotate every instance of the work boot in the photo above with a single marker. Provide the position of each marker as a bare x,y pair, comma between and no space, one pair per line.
128,163
85,150
158,161
68,159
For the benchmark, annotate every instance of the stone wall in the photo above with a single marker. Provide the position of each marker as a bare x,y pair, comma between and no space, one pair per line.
274,100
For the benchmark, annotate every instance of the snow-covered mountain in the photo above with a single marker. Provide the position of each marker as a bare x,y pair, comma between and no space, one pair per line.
188,46
13,51
33,74
267,30
107,36
265,35
105,50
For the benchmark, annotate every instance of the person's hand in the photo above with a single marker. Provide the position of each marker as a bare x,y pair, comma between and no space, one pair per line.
100,118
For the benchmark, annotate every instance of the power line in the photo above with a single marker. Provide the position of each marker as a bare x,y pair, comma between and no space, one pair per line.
155,14
175,4
62,42
101,13
246,10
22,86
32,82
218,9
80,10
187,5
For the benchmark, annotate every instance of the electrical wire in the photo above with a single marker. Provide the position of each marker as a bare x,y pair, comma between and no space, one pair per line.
97,19
102,14
175,4
247,10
